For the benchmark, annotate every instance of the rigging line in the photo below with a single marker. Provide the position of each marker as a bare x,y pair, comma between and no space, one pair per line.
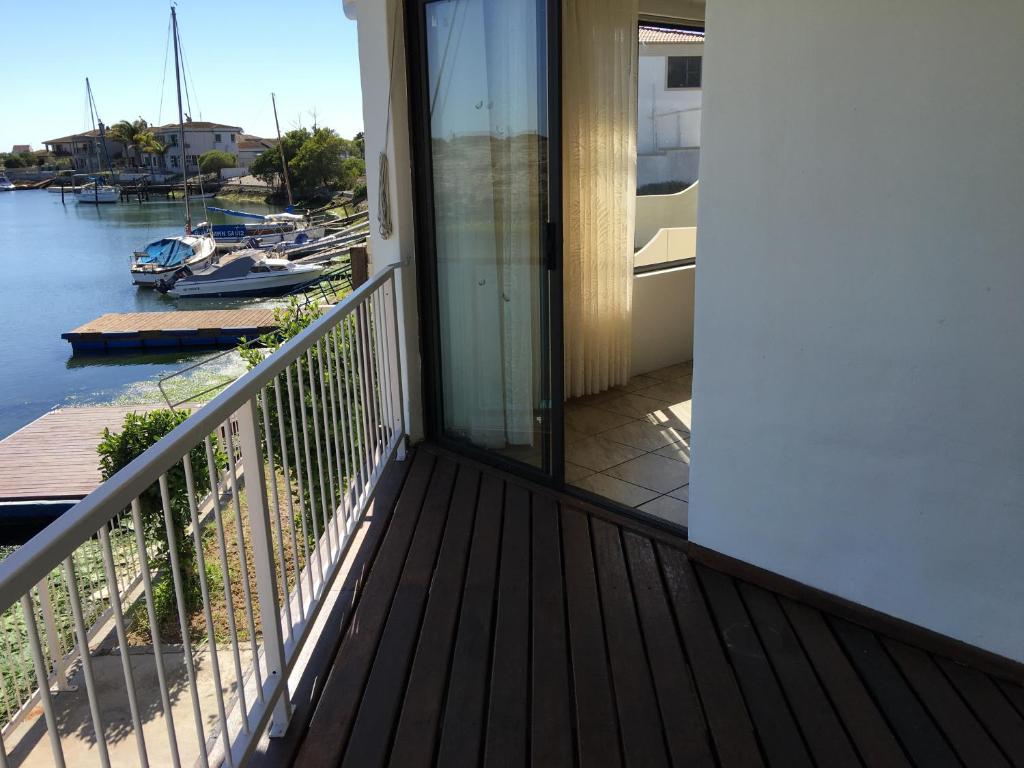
186,76
384,223
163,82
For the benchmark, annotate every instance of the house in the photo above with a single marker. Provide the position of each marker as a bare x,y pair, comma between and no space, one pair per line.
200,137
20,149
250,147
669,99
528,495
85,151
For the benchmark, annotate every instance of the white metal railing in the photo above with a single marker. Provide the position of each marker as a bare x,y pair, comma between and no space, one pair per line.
312,426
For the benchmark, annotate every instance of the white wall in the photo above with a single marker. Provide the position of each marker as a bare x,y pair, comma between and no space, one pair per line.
657,130
859,366
661,301
654,212
376,20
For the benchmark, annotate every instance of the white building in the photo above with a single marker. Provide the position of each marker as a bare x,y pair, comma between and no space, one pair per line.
200,137
250,147
753,495
668,105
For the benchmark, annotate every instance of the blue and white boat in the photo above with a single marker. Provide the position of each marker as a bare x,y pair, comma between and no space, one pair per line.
163,257
271,228
6,185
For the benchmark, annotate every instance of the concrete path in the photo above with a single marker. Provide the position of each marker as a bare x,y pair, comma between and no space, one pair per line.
29,745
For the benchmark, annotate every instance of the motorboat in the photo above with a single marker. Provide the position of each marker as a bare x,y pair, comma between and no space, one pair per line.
247,272
270,228
6,185
94,192
163,257
303,245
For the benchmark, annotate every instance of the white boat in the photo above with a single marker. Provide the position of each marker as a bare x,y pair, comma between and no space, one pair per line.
97,193
163,261
243,273
6,185
163,257
305,246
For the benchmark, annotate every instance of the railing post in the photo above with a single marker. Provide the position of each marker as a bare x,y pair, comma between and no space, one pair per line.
60,667
263,561
395,360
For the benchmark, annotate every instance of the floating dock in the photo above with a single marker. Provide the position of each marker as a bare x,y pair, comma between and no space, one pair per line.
49,465
170,330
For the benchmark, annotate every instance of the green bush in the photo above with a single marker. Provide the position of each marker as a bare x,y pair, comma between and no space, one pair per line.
118,449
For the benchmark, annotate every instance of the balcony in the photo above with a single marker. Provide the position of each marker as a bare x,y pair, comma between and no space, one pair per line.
355,605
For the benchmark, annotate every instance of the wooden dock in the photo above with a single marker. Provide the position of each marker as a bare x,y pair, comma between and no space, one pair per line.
169,330
54,457
49,465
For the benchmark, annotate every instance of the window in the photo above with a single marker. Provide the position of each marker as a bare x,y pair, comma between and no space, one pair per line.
216,137
174,139
232,137
174,161
683,72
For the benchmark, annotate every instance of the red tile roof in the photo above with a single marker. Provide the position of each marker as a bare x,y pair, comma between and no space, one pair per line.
651,34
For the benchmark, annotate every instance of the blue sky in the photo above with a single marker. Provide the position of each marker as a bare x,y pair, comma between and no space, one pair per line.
237,52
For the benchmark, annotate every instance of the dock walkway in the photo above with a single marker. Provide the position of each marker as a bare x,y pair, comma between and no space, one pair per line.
54,457
164,330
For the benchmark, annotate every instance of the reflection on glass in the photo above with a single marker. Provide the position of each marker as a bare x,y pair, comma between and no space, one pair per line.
488,124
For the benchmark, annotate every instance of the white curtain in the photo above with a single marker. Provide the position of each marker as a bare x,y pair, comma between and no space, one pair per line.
599,55
487,192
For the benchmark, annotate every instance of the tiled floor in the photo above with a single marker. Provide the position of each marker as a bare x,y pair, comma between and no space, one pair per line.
631,444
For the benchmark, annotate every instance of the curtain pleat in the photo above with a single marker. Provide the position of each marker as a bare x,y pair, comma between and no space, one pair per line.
599,54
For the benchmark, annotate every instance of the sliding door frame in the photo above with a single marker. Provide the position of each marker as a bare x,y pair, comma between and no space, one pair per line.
553,445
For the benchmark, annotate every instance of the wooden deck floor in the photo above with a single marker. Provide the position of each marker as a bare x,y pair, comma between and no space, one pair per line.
499,625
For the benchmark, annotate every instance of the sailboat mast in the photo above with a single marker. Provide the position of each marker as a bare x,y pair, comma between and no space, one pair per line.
181,122
280,147
92,120
101,151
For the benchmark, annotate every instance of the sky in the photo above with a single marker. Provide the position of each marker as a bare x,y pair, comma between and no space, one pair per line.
237,52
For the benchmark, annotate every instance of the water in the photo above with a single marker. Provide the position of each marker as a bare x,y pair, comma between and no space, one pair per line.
63,265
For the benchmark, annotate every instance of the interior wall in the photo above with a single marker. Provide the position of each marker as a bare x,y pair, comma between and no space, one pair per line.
858,369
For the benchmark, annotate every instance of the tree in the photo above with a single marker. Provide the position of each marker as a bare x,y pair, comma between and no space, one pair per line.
352,170
136,137
215,160
267,166
13,161
319,163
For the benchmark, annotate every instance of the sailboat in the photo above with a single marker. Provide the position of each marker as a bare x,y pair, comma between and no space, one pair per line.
162,259
96,191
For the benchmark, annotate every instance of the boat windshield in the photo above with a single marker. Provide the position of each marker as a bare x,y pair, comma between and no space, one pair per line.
165,253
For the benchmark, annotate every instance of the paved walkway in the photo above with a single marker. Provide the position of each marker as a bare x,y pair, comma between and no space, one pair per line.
30,746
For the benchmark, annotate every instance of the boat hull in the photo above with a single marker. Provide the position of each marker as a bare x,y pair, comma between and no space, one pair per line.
103,196
268,284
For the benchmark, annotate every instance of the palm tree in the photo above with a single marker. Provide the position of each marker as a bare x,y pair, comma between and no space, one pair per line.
136,137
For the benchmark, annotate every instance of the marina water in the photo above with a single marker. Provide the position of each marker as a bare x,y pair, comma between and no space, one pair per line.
64,265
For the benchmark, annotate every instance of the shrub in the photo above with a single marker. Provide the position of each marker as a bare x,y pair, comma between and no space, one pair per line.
118,449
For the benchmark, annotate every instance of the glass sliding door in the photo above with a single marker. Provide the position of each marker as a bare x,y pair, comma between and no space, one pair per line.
487,159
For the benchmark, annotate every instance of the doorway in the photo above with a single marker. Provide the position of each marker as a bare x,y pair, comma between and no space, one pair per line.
485,98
